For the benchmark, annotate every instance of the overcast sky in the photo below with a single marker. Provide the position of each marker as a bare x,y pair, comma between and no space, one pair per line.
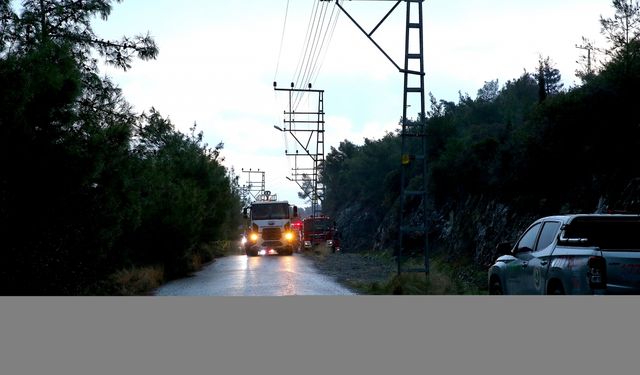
218,61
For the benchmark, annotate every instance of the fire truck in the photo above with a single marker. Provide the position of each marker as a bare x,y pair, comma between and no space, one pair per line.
296,226
318,230
269,226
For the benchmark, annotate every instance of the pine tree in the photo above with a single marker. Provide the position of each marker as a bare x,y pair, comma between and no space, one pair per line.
549,79
623,32
69,22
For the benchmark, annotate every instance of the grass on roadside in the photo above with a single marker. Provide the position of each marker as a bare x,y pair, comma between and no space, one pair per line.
209,251
137,281
444,279
142,280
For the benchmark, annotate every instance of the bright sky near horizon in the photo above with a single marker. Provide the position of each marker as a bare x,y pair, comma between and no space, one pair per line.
218,60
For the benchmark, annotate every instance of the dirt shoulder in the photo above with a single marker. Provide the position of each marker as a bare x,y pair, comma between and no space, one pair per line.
354,270
375,273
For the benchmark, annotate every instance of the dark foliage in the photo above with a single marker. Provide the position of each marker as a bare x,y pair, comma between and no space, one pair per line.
87,186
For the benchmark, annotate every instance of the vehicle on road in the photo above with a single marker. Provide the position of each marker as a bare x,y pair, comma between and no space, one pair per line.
296,226
571,254
269,226
318,230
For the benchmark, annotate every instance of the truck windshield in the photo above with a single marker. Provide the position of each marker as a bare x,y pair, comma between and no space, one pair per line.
607,234
267,211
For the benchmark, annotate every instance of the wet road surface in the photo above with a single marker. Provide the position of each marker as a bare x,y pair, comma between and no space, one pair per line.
263,275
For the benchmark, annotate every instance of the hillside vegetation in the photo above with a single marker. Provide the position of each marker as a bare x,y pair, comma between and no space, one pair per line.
91,193
519,150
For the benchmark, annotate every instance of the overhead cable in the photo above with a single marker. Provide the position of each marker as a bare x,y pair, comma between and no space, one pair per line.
284,26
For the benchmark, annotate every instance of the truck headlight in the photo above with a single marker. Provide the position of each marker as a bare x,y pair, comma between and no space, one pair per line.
288,236
253,237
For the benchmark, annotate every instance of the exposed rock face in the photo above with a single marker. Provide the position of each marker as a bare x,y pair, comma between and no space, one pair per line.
475,227
357,224
472,228
469,229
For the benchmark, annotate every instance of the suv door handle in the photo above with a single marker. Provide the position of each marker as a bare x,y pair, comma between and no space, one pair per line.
544,262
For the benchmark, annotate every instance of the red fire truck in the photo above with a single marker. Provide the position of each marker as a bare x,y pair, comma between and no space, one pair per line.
296,227
319,230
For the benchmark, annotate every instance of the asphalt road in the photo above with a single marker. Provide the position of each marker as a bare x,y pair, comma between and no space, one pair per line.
264,275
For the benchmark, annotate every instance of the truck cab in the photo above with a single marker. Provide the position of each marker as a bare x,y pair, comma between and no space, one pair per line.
269,226
317,230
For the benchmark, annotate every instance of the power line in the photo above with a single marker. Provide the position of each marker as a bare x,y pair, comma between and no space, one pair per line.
330,26
322,59
318,28
315,27
320,46
313,61
284,26
312,20
320,31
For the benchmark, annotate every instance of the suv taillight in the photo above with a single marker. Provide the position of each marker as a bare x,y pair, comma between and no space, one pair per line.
597,273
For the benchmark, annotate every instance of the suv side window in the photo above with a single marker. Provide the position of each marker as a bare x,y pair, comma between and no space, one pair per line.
548,234
528,239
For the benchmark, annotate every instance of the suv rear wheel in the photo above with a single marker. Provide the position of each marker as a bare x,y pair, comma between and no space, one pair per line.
495,287
556,288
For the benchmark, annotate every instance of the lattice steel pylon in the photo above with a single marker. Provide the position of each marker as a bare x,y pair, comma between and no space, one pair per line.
303,131
413,133
252,187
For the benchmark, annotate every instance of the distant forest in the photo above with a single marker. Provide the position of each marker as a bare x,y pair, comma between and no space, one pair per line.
529,143
91,191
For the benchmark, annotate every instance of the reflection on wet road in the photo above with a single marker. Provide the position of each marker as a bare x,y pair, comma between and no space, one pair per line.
255,276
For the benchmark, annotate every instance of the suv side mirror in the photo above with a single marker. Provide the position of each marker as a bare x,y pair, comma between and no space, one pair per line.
504,248
295,211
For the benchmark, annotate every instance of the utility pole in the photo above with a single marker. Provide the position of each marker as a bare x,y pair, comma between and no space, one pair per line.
413,134
303,126
588,46
244,195
255,188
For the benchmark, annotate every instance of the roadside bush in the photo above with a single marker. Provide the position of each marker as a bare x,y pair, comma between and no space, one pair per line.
136,281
